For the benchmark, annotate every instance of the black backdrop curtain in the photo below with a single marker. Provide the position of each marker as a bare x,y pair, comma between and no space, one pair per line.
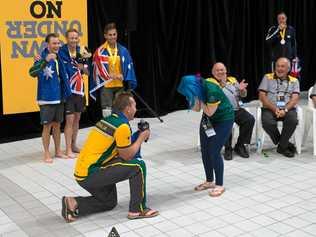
168,39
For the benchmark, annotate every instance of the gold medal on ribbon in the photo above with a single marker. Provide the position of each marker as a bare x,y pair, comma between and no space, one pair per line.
112,55
282,34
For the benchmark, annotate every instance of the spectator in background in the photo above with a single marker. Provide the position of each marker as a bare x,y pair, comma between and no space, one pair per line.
234,91
282,39
279,94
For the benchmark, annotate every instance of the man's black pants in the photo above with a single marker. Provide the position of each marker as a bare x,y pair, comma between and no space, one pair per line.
270,125
246,122
102,186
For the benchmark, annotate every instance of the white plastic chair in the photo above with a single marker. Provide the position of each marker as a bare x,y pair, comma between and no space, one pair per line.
298,133
310,116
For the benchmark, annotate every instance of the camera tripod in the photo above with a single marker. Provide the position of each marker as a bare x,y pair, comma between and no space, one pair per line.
127,35
147,106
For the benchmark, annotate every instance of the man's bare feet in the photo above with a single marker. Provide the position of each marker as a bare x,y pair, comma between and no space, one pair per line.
47,158
70,155
60,155
75,149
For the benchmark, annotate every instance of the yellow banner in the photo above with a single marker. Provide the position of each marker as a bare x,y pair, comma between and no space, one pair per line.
23,27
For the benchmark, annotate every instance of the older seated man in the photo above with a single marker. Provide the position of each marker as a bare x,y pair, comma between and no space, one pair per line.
234,91
279,94
313,95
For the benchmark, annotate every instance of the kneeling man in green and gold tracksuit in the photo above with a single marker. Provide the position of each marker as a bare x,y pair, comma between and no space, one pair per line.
110,155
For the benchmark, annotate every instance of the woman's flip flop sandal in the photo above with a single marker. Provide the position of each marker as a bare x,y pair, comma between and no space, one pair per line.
204,186
148,213
216,192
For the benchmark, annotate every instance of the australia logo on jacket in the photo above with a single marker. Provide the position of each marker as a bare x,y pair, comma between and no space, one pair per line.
48,72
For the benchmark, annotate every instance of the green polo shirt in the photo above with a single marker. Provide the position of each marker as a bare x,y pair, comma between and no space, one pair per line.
216,96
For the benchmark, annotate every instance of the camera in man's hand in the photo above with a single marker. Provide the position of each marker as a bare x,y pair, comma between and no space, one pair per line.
142,126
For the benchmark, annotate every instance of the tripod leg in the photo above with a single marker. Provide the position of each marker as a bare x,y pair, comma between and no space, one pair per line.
148,107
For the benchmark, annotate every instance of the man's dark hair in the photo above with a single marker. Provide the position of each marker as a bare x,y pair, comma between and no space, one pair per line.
51,35
282,13
70,31
121,101
109,26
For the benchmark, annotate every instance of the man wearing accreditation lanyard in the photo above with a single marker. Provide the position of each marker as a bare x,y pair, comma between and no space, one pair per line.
234,91
279,95
282,40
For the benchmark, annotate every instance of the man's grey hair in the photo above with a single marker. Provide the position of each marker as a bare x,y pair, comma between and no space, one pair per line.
287,60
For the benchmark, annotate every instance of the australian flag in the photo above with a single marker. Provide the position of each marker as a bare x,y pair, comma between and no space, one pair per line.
100,74
76,83
71,65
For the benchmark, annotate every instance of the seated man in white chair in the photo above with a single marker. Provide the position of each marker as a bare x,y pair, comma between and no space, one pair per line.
234,91
279,95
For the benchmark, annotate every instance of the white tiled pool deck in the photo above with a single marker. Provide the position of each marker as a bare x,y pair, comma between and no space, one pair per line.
265,196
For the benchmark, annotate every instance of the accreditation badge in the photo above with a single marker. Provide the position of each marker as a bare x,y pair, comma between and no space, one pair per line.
240,103
208,127
280,103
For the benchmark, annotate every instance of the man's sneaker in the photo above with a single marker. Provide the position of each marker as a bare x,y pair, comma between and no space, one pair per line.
228,154
241,151
286,152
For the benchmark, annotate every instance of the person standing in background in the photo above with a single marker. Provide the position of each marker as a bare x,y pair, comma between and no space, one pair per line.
282,39
72,56
112,68
52,91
